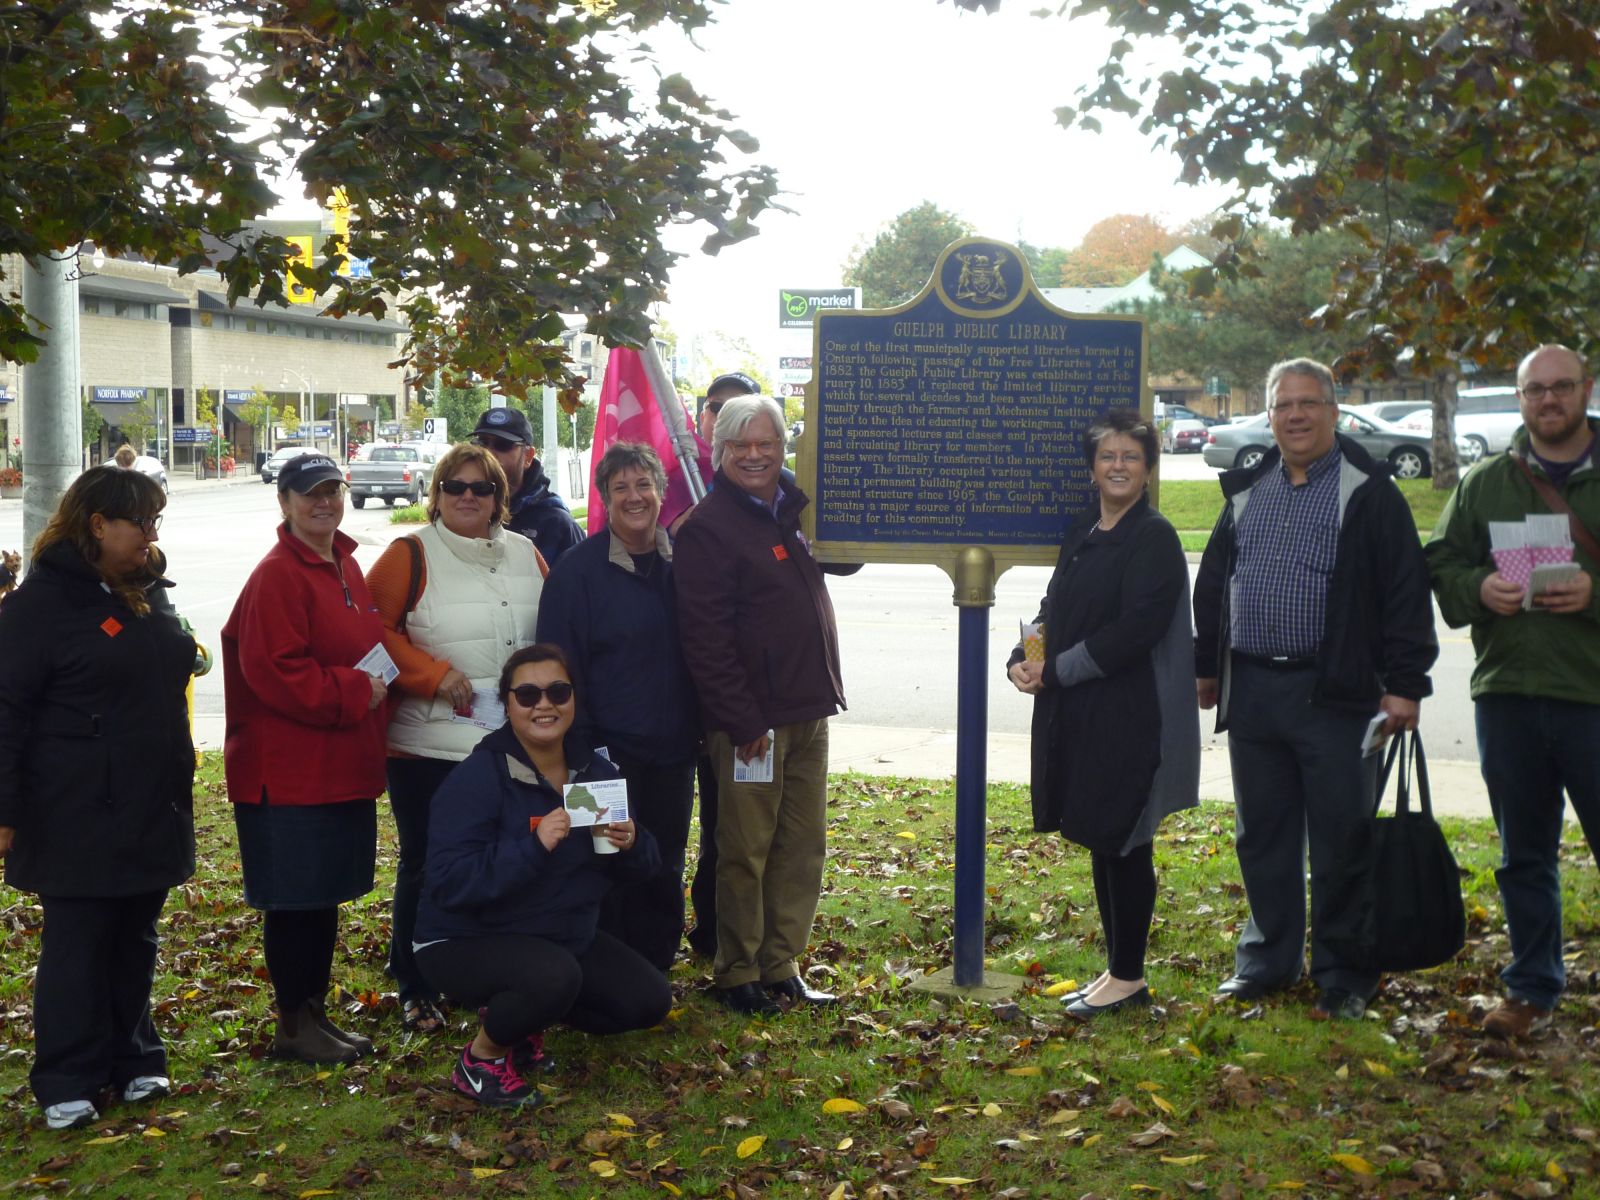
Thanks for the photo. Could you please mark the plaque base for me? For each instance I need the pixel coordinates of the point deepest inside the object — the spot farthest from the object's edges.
(995, 986)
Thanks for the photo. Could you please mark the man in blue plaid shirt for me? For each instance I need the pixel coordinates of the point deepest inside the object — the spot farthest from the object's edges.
(1312, 614)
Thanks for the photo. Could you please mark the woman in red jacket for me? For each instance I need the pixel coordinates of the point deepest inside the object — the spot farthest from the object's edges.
(305, 749)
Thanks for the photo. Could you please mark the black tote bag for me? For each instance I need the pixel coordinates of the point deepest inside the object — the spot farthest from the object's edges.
(1398, 902)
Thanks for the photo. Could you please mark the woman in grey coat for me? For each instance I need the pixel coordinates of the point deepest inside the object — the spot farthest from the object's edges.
(1116, 734)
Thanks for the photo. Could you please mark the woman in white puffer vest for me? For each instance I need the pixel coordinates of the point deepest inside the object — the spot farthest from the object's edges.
(456, 600)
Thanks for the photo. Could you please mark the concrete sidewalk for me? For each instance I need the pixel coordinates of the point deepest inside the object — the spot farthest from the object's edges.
(1458, 789)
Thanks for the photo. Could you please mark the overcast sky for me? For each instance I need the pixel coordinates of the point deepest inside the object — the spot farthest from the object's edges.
(868, 107)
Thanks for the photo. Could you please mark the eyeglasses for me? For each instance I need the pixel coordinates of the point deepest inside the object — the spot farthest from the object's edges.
(1561, 389)
(147, 525)
(529, 694)
(1111, 458)
(456, 487)
(715, 405)
(764, 446)
(499, 445)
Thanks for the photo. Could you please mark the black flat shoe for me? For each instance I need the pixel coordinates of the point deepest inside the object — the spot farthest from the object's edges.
(795, 991)
(749, 999)
(1084, 1011)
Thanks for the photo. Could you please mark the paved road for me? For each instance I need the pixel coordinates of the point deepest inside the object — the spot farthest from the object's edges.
(897, 625)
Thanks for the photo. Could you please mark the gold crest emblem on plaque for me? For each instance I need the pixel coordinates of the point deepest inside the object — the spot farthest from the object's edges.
(980, 281)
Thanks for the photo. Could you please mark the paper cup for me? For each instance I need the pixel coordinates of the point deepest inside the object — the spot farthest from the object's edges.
(602, 844)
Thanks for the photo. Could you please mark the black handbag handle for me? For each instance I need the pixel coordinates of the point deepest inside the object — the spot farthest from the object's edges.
(1408, 748)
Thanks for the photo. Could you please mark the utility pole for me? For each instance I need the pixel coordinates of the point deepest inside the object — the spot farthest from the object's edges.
(52, 416)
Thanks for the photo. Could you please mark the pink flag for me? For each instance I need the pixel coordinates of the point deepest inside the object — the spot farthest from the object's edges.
(630, 412)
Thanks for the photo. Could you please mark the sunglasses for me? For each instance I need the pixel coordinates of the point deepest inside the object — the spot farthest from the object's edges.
(147, 525)
(715, 405)
(457, 487)
(499, 445)
(529, 694)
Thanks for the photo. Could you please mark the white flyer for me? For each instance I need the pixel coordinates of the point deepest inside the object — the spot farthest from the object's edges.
(485, 711)
(598, 802)
(757, 770)
(377, 662)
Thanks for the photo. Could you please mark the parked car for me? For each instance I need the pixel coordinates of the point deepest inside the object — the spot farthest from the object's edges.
(428, 453)
(1184, 435)
(389, 473)
(1486, 418)
(275, 461)
(146, 464)
(1393, 411)
(1179, 412)
(1242, 445)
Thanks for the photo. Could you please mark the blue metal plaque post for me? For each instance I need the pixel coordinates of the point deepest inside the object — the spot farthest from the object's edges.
(974, 595)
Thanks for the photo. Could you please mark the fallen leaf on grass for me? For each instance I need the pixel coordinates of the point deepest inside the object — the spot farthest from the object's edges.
(620, 1119)
(1554, 1171)
(1061, 987)
(1353, 1162)
(838, 1193)
(1376, 1068)
(991, 1109)
(1162, 1103)
(154, 1132)
(1121, 1107)
(1025, 1072)
(841, 1104)
(750, 1145)
(108, 1140)
(1187, 1160)
(951, 1180)
(316, 1192)
(1149, 1137)
(845, 1144)
(486, 1172)
(1289, 1185)
(671, 1188)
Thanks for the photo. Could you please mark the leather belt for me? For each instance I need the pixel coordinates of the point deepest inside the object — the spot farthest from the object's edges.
(1280, 662)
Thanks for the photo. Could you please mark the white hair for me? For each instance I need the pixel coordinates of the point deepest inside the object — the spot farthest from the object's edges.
(735, 418)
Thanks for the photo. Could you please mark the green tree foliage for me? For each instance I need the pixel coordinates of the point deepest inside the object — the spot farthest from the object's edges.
(289, 418)
(1376, 119)
(93, 423)
(1247, 323)
(899, 262)
(1045, 263)
(257, 411)
(1116, 251)
(138, 424)
(499, 169)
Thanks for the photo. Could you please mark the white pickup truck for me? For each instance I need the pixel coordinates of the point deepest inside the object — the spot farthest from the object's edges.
(388, 473)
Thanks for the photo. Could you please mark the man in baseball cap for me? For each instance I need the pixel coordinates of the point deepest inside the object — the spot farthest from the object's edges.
(536, 512)
(723, 388)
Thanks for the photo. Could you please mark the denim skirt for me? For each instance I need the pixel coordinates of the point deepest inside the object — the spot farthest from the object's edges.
(305, 856)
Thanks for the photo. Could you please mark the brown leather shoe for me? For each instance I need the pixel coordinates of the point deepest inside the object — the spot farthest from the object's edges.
(319, 1014)
(1515, 1019)
(298, 1036)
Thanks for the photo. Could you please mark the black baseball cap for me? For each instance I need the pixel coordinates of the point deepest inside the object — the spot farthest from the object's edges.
(509, 423)
(734, 379)
(304, 471)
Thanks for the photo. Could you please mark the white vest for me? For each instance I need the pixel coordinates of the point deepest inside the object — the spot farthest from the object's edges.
(479, 604)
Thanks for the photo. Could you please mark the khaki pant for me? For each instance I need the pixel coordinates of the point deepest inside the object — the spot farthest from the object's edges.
(771, 842)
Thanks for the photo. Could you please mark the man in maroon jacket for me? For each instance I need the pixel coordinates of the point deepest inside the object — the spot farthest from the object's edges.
(764, 653)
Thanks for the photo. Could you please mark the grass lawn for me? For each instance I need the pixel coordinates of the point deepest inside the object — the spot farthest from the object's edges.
(894, 1093)
(1192, 505)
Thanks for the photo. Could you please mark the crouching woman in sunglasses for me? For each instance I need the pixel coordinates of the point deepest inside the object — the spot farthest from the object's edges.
(455, 600)
(511, 898)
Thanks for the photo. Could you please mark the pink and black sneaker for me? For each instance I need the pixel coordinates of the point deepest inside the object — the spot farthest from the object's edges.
(493, 1082)
(528, 1055)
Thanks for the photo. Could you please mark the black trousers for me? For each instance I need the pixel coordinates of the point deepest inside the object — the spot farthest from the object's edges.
(703, 891)
(526, 984)
(298, 944)
(91, 996)
(412, 783)
(647, 914)
(1125, 891)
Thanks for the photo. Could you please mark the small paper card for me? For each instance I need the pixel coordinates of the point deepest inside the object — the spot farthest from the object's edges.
(1032, 641)
(1514, 564)
(1544, 574)
(484, 710)
(757, 770)
(1548, 529)
(377, 662)
(599, 802)
(1375, 738)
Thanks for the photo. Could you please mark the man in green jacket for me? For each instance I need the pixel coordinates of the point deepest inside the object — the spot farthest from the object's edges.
(1537, 679)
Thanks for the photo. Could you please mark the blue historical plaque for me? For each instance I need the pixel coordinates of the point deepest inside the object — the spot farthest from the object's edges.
(958, 418)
